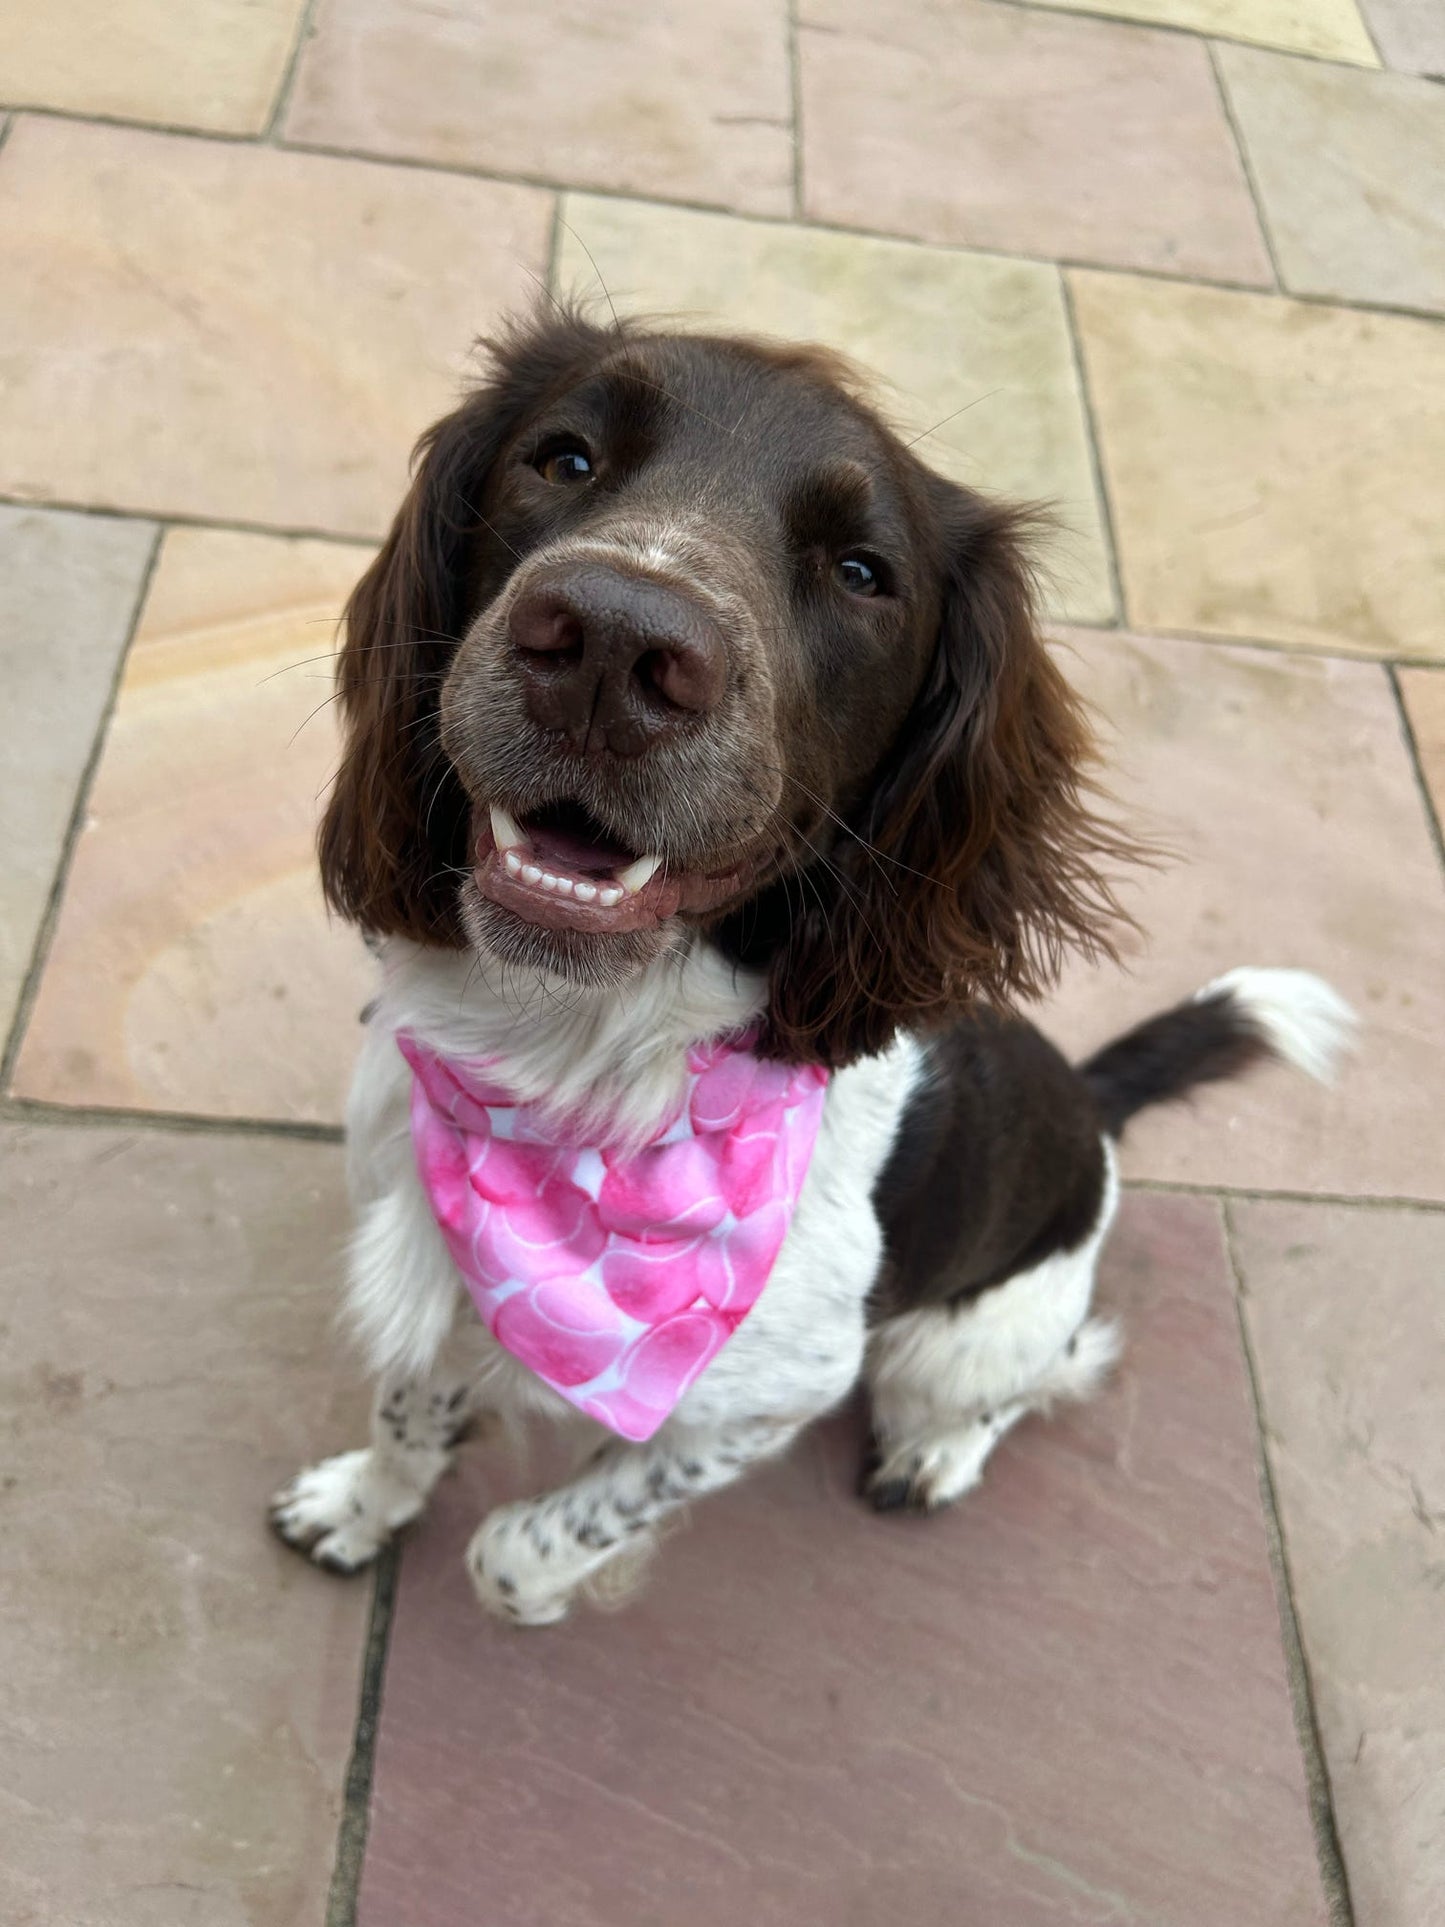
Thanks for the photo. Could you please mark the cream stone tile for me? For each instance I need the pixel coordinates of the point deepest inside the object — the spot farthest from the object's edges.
(1332, 29)
(227, 331)
(1346, 1316)
(1276, 469)
(1410, 34)
(1004, 127)
(68, 590)
(1351, 172)
(1284, 791)
(193, 968)
(177, 1691)
(946, 331)
(688, 101)
(213, 64)
(1424, 694)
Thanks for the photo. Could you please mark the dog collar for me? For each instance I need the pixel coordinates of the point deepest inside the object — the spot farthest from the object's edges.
(616, 1278)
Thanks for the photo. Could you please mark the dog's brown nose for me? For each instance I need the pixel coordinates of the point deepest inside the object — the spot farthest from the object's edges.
(616, 661)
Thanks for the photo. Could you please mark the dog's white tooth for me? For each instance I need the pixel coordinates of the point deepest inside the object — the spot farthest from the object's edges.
(609, 896)
(587, 891)
(563, 886)
(531, 872)
(512, 861)
(549, 882)
(639, 874)
(505, 833)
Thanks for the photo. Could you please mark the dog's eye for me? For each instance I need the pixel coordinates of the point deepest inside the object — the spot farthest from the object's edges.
(565, 463)
(856, 575)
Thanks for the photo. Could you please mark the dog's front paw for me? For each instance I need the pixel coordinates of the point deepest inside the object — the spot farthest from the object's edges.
(343, 1511)
(929, 1475)
(513, 1565)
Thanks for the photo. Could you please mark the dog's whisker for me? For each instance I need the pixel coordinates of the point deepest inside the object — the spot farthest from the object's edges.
(374, 646)
(491, 529)
(335, 696)
(953, 417)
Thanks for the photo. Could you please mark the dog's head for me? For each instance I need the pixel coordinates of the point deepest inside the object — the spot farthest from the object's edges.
(672, 632)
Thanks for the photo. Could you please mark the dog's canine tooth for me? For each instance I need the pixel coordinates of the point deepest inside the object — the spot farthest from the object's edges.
(505, 833)
(639, 874)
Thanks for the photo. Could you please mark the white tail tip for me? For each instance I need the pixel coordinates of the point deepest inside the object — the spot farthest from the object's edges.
(1301, 1017)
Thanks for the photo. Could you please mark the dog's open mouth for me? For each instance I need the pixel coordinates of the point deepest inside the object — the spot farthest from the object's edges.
(560, 869)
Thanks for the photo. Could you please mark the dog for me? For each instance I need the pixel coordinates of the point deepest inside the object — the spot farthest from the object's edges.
(712, 799)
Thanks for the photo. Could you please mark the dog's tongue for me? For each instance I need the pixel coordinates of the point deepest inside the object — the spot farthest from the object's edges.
(574, 853)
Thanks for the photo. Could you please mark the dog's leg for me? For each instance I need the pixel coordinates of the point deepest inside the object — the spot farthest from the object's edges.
(403, 1296)
(947, 1383)
(344, 1510)
(929, 1450)
(528, 1561)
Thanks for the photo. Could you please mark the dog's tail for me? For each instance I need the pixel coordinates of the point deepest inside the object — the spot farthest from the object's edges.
(1242, 1018)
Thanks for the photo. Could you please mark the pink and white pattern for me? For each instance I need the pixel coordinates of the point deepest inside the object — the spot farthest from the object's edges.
(616, 1278)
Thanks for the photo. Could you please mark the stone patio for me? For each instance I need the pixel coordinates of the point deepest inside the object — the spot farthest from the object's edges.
(1180, 1660)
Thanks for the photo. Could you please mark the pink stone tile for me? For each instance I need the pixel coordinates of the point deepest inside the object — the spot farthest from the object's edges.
(1064, 1702)
(1424, 694)
(177, 1693)
(1284, 787)
(1410, 34)
(1346, 1316)
(223, 330)
(1002, 127)
(689, 101)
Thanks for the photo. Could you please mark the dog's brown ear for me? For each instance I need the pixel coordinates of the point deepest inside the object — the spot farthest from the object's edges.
(394, 834)
(975, 861)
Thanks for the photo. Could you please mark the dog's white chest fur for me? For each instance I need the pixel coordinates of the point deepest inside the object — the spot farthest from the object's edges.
(802, 1346)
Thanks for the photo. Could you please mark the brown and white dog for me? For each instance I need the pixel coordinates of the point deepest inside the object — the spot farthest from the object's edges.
(684, 698)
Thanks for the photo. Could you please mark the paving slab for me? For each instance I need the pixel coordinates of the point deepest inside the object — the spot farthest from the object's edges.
(1423, 691)
(1006, 127)
(1350, 168)
(946, 331)
(226, 331)
(691, 101)
(1346, 1314)
(1285, 791)
(1410, 34)
(225, 989)
(177, 1691)
(1329, 29)
(1276, 468)
(1064, 1702)
(214, 64)
(69, 585)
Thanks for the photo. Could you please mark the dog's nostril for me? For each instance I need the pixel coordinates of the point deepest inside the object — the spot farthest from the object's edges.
(552, 634)
(687, 675)
(614, 661)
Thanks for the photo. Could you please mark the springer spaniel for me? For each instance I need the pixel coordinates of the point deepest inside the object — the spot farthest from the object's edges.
(710, 795)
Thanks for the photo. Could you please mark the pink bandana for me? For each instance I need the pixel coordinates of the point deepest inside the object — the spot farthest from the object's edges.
(616, 1278)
